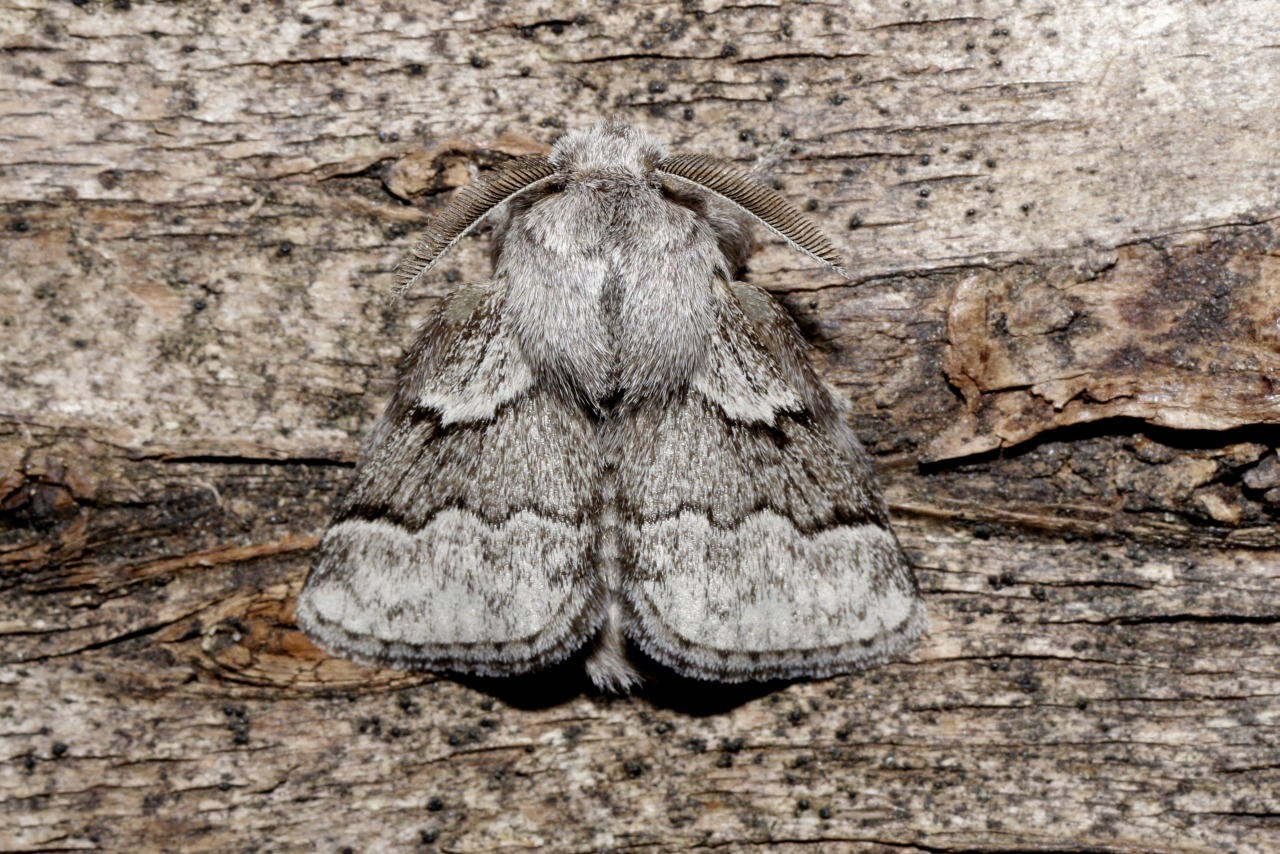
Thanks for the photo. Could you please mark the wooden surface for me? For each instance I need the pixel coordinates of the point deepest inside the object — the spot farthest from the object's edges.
(1062, 344)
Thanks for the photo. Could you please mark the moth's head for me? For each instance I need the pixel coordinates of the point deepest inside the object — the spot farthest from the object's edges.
(607, 155)
(612, 165)
(615, 157)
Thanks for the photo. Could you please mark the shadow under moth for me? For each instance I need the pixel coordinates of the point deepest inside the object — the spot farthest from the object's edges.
(613, 445)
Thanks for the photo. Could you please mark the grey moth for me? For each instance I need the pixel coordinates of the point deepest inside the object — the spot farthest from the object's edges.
(611, 446)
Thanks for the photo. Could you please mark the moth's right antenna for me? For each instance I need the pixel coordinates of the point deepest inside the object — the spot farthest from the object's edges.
(769, 207)
(465, 211)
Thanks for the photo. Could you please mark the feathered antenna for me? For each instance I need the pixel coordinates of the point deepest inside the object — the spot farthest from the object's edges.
(768, 207)
(465, 211)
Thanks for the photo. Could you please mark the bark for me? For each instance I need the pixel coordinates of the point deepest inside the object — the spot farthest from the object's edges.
(1061, 342)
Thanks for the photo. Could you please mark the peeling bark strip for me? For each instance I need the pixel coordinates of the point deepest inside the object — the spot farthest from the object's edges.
(1064, 227)
(1181, 333)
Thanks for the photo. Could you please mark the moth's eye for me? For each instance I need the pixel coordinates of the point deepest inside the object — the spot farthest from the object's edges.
(550, 188)
(524, 201)
(677, 195)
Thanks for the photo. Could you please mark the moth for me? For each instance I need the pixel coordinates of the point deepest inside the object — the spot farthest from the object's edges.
(612, 445)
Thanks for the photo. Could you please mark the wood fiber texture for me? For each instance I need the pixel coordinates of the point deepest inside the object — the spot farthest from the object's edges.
(1061, 344)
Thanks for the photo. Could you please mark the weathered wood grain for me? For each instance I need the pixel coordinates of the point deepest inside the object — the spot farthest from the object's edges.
(1062, 343)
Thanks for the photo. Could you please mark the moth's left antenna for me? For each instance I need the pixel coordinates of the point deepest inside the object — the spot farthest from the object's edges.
(465, 211)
